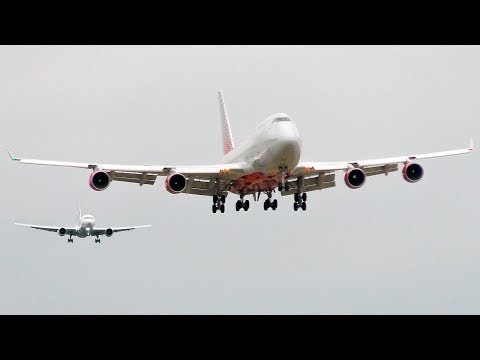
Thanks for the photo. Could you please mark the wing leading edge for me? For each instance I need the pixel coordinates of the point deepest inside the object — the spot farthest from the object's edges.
(101, 231)
(310, 176)
(200, 179)
(69, 231)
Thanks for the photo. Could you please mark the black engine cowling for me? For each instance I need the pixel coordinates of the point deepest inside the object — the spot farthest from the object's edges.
(109, 232)
(175, 183)
(355, 178)
(99, 180)
(62, 231)
(412, 172)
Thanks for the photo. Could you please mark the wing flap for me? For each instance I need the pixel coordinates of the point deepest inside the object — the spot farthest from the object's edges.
(140, 178)
(312, 183)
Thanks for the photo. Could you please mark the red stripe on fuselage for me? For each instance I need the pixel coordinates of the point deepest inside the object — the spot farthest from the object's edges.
(255, 182)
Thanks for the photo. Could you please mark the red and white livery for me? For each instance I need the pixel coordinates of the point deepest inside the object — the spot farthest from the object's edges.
(269, 159)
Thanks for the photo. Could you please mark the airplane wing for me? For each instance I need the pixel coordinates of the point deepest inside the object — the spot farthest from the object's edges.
(321, 175)
(102, 231)
(69, 231)
(200, 180)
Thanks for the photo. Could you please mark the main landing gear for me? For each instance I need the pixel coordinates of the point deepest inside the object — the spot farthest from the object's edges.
(242, 204)
(97, 240)
(300, 201)
(283, 184)
(70, 240)
(269, 203)
(218, 203)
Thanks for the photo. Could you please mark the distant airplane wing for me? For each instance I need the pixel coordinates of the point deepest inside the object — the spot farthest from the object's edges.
(102, 231)
(321, 175)
(200, 180)
(69, 231)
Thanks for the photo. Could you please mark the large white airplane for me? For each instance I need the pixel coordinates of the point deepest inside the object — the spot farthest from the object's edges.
(268, 159)
(85, 227)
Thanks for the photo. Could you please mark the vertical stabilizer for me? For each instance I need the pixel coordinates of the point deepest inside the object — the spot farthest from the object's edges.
(79, 213)
(228, 144)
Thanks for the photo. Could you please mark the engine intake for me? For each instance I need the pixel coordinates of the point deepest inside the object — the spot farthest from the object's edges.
(355, 178)
(99, 180)
(109, 232)
(175, 183)
(62, 231)
(412, 172)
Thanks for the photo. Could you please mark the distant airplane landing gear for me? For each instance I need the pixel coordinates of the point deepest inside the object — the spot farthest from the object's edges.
(242, 204)
(218, 203)
(300, 201)
(269, 203)
(70, 240)
(97, 240)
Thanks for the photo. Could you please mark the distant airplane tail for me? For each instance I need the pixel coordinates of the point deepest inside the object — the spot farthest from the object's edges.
(228, 144)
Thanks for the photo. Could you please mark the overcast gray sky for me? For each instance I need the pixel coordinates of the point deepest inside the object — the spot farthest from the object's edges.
(389, 247)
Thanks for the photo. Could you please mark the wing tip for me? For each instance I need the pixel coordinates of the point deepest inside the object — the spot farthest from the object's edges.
(11, 155)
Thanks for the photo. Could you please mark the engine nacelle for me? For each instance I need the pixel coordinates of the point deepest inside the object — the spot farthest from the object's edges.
(412, 172)
(62, 231)
(175, 183)
(355, 178)
(99, 180)
(109, 232)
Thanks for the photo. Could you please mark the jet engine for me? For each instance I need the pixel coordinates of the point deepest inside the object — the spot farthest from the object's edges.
(109, 232)
(175, 183)
(355, 178)
(412, 172)
(62, 231)
(99, 180)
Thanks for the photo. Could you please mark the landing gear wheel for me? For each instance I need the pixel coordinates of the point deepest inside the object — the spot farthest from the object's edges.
(274, 204)
(304, 197)
(295, 206)
(287, 187)
(222, 208)
(296, 197)
(222, 199)
(266, 205)
(304, 206)
(246, 205)
(214, 208)
(215, 199)
(238, 205)
(280, 187)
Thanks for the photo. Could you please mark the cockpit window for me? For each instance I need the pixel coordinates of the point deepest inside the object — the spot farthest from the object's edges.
(281, 119)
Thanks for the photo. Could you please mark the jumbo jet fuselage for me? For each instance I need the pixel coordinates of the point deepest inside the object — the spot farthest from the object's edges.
(273, 146)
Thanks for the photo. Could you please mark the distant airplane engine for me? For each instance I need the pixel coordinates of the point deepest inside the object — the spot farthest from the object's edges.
(355, 178)
(62, 231)
(412, 172)
(109, 232)
(99, 180)
(176, 183)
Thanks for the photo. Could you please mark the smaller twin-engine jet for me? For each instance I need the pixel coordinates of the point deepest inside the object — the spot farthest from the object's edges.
(86, 227)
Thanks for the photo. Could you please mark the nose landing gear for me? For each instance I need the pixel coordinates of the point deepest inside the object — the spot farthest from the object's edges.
(283, 184)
